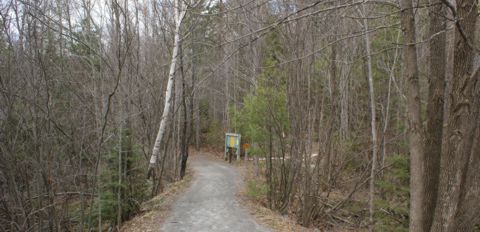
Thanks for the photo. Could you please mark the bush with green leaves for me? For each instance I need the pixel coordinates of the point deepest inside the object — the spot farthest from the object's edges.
(264, 112)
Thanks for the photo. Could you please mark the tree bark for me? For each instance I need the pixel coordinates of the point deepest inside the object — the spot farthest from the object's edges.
(184, 138)
(373, 120)
(179, 15)
(458, 150)
(415, 135)
(435, 105)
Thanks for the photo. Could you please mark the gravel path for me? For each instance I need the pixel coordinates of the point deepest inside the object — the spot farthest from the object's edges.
(210, 204)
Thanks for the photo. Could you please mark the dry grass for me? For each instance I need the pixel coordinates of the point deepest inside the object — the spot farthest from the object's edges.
(262, 214)
(157, 209)
(274, 220)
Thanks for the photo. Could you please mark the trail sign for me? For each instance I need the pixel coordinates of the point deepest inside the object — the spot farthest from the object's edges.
(232, 140)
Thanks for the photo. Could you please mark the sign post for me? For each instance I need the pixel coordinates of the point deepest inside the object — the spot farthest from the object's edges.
(246, 146)
(232, 140)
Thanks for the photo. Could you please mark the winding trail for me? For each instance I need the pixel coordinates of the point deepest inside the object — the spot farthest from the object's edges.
(209, 205)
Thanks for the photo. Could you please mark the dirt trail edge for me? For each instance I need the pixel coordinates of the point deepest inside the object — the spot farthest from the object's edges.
(210, 203)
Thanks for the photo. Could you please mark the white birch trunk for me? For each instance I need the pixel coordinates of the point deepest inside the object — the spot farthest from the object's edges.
(179, 13)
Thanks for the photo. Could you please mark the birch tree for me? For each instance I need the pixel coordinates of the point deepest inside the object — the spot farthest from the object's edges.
(179, 14)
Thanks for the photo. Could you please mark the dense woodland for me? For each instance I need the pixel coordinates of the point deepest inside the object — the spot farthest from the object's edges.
(362, 114)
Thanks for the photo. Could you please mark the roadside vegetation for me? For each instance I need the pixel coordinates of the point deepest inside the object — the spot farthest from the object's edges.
(358, 114)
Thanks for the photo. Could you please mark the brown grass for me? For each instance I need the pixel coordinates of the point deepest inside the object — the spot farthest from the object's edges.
(262, 214)
(157, 209)
(276, 221)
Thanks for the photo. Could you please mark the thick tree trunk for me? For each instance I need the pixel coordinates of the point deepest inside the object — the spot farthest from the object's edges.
(435, 104)
(469, 208)
(415, 134)
(179, 15)
(458, 150)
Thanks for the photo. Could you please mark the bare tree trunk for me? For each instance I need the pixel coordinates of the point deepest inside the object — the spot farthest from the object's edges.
(460, 132)
(184, 138)
(119, 188)
(269, 172)
(197, 122)
(326, 162)
(179, 12)
(194, 109)
(415, 135)
(435, 105)
(373, 114)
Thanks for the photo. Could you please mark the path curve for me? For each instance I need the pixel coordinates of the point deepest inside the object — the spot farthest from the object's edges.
(210, 203)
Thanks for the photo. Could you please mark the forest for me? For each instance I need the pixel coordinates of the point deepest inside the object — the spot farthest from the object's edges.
(361, 114)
